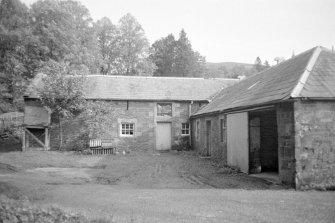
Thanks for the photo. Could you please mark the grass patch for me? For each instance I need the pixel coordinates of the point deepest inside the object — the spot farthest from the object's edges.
(24, 211)
(35, 159)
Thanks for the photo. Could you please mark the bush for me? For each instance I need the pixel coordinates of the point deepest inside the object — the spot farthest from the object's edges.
(181, 143)
(24, 211)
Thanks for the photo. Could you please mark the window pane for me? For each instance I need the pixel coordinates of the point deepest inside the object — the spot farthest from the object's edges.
(185, 128)
(127, 129)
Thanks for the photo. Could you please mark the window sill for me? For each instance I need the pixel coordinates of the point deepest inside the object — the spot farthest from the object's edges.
(127, 136)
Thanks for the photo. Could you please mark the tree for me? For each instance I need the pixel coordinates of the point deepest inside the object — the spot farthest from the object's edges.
(124, 48)
(266, 64)
(109, 45)
(134, 48)
(258, 65)
(163, 55)
(62, 91)
(176, 57)
(19, 53)
(65, 30)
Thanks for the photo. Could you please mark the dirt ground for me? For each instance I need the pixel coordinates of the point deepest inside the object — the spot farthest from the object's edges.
(175, 170)
(155, 187)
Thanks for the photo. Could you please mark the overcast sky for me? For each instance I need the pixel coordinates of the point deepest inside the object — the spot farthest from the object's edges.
(230, 30)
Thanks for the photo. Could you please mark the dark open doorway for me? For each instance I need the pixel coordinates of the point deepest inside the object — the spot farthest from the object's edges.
(208, 138)
(263, 141)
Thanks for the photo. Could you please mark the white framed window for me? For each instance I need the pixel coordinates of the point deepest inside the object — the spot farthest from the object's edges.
(185, 128)
(127, 129)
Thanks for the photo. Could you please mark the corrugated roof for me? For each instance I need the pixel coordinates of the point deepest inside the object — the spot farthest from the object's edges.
(148, 88)
(279, 82)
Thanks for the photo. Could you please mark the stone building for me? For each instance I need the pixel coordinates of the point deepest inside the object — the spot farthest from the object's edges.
(281, 120)
(147, 113)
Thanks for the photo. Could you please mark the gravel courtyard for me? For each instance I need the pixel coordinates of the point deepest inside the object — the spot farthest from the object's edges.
(156, 187)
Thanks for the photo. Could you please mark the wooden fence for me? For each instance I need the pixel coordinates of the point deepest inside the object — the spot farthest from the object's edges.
(102, 146)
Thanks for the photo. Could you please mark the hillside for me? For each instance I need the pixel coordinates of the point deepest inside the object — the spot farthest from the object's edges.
(229, 69)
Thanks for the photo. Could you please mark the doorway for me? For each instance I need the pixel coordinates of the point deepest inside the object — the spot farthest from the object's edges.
(163, 136)
(263, 141)
(208, 138)
(237, 141)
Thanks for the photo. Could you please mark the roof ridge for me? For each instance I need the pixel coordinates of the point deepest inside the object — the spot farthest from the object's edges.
(156, 77)
(303, 78)
(288, 60)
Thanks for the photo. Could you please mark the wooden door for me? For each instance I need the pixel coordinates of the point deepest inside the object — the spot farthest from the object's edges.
(163, 136)
(237, 141)
(208, 138)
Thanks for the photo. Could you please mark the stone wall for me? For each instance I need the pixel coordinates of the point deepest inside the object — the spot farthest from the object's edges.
(286, 142)
(218, 146)
(142, 114)
(315, 144)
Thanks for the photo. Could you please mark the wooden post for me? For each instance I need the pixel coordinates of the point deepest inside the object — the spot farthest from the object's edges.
(46, 139)
(27, 141)
(23, 140)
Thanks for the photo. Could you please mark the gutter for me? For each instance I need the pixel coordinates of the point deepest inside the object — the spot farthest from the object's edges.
(266, 105)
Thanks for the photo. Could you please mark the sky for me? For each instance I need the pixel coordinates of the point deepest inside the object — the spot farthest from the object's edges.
(230, 30)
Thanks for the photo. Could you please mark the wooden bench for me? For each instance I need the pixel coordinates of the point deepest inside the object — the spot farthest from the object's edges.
(102, 146)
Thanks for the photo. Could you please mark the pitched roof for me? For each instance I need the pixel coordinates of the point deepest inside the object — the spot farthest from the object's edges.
(147, 88)
(309, 74)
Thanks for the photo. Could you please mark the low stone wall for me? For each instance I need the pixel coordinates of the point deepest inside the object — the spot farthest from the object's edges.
(315, 144)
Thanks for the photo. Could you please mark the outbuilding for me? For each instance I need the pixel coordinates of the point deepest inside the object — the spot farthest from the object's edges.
(281, 120)
(146, 113)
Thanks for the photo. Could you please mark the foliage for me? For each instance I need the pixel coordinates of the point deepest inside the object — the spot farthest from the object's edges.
(96, 116)
(176, 57)
(258, 66)
(61, 31)
(25, 211)
(134, 48)
(61, 90)
(124, 48)
(181, 143)
(19, 53)
(108, 41)
(65, 30)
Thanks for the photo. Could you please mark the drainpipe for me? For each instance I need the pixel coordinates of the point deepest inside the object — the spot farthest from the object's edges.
(189, 121)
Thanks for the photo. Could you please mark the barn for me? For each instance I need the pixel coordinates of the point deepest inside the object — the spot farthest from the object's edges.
(146, 113)
(280, 121)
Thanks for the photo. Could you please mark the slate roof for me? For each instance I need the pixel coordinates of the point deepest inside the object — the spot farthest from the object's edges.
(310, 74)
(147, 88)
